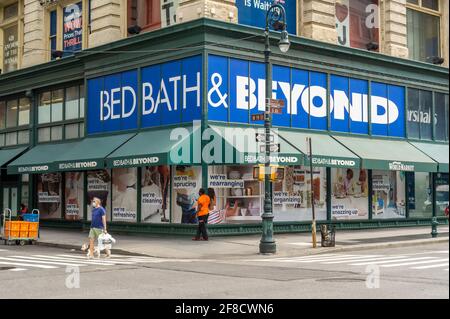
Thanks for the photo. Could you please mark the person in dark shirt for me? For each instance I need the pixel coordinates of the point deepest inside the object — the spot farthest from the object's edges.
(98, 224)
(23, 210)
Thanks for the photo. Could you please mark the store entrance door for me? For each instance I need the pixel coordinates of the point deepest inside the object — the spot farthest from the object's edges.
(10, 198)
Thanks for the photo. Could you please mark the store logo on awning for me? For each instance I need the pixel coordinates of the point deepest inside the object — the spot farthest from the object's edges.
(399, 166)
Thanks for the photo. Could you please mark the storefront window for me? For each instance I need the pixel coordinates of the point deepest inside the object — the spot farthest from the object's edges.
(2, 115)
(419, 195)
(71, 131)
(350, 193)
(49, 195)
(11, 138)
(44, 108)
(23, 137)
(388, 194)
(71, 102)
(24, 111)
(99, 185)
(124, 194)
(57, 105)
(186, 181)
(56, 133)
(292, 195)
(74, 196)
(155, 190)
(442, 198)
(11, 113)
(426, 102)
(441, 116)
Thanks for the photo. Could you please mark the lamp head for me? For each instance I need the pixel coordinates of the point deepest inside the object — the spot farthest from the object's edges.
(284, 43)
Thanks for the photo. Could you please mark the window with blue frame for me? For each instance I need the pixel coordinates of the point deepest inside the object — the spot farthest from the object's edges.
(52, 33)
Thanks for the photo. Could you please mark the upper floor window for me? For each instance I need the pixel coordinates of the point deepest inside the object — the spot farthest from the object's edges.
(10, 37)
(14, 119)
(357, 23)
(423, 29)
(66, 31)
(144, 13)
(61, 113)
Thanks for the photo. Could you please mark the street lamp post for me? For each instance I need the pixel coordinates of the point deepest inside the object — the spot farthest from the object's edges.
(275, 17)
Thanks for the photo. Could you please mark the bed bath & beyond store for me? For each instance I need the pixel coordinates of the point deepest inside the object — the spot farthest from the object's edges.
(157, 128)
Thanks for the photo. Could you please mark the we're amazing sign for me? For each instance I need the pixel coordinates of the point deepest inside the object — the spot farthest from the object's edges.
(73, 27)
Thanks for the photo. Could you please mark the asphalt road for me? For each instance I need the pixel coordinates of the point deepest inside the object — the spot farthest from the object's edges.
(408, 272)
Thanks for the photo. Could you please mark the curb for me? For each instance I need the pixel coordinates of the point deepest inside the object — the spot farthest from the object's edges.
(310, 251)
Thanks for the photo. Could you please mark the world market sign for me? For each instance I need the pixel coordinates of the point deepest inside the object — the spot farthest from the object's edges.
(399, 166)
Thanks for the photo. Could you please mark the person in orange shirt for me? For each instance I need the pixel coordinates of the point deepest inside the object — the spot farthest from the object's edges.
(202, 214)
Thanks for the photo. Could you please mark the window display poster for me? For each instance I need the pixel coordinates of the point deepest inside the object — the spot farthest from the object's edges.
(10, 48)
(99, 185)
(124, 194)
(49, 195)
(349, 198)
(74, 195)
(388, 194)
(186, 182)
(442, 197)
(155, 188)
(292, 196)
(72, 28)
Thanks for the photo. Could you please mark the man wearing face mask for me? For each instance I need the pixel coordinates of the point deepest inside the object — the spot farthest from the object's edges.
(98, 224)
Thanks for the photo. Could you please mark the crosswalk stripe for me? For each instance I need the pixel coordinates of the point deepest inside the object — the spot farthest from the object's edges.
(391, 261)
(27, 265)
(51, 261)
(3, 250)
(324, 260)
(431, 266)
(17, 269)
(38, 261)
(103, 260)
(362, 259)
(416, 262)
(307, 258)
(112, 259)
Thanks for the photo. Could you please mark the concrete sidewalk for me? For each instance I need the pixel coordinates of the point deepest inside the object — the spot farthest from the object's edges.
(247, 245)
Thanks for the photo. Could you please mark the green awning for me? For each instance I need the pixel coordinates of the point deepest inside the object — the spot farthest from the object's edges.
(89, 153)
(326, 151)
(384, 154)
(438, 152)
(7, 155)
(240, 146)
(39, 159)
(158, 147)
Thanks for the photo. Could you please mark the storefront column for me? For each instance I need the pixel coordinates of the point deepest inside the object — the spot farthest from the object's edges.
(139, 195)
(85, 196)
(204, 123)
(407, 181)
(329, 190)
(433, 194)
(370, 198)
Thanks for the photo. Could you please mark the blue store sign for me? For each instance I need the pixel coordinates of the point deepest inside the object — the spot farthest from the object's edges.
(236, 90)
(169, 93)
(253, 12)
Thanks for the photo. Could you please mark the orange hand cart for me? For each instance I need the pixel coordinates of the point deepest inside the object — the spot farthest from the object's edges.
(20, 232)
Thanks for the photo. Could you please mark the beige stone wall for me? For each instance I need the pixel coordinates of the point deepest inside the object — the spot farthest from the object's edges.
(34, 46)
(108, 21)
(394, 28)
(224, 10)
(318, 20)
